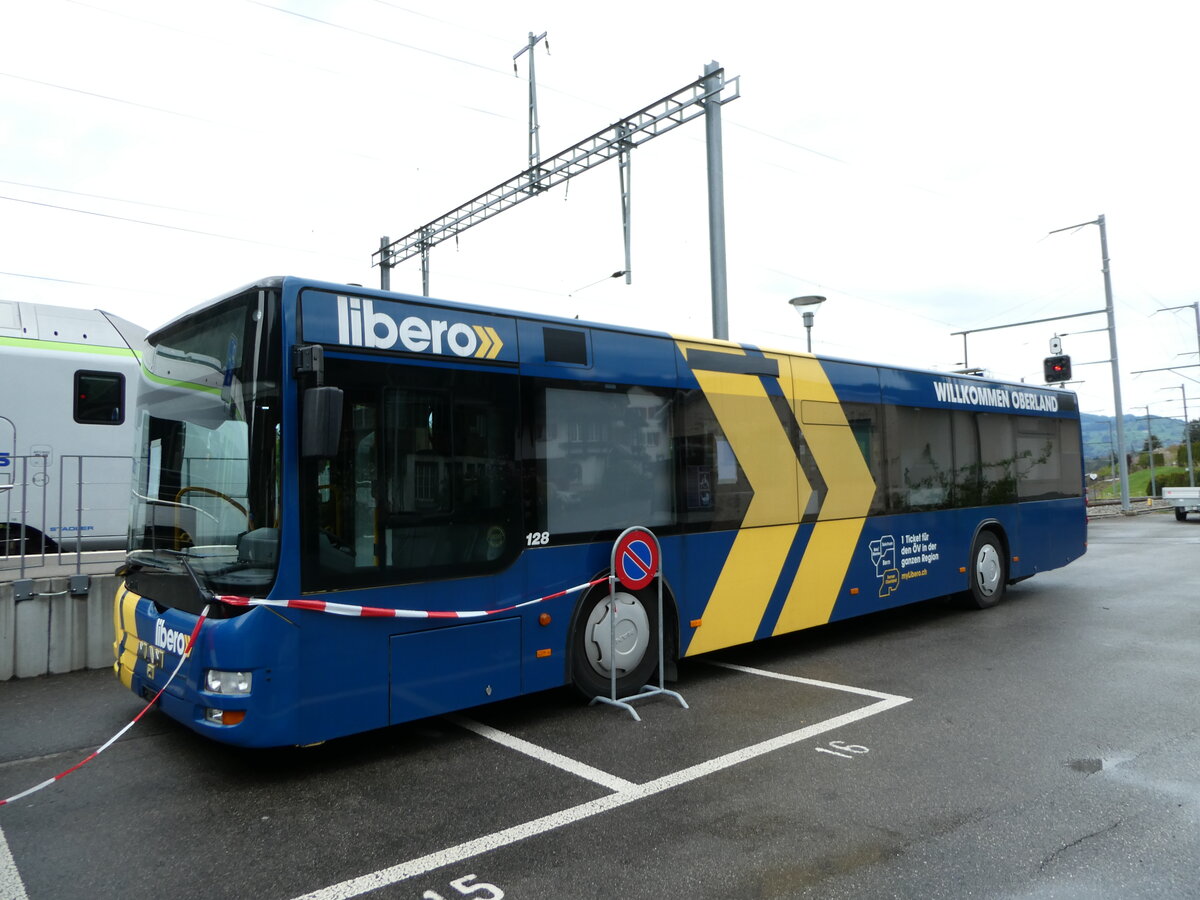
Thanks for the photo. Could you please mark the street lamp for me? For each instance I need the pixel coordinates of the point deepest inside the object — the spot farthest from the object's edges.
(807, 306)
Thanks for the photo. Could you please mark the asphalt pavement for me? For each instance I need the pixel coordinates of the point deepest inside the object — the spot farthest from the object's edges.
(1046, 748)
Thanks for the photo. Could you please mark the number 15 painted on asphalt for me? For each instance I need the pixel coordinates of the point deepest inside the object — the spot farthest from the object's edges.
(481, 891)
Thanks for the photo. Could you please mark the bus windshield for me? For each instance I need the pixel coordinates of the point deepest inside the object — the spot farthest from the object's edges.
(206, 474)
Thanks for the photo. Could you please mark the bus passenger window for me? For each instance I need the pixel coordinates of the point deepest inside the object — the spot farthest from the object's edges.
(863, 419)
(997, 452)
(1048, 464)
(607, 459)
(920, 468)
(715, 491)
(967, 488)
(425, 484)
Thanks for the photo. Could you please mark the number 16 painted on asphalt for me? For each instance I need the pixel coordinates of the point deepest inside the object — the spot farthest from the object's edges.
(844, 750)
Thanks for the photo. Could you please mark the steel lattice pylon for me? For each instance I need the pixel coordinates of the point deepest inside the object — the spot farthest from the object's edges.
(658, 118)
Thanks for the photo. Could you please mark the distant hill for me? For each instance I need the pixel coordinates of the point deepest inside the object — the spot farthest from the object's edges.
(1099, 433)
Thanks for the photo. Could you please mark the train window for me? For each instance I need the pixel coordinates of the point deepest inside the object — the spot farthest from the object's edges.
(99, 398)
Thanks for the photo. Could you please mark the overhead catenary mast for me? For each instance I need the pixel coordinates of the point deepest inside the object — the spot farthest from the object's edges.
(704, 96)
(535, 146)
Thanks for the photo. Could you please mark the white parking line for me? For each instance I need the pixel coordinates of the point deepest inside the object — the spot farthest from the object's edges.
(363, 884)
(542, 754)
(810, 681)
(11, 886)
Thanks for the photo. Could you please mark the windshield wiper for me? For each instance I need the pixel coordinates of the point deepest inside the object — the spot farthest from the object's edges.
(206, 596)
(132, 566)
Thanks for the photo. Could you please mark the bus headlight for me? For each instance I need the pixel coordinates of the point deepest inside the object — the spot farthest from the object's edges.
(218, 681)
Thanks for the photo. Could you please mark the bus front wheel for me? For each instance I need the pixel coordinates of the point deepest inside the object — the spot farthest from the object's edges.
(600, 640)
(988, 572)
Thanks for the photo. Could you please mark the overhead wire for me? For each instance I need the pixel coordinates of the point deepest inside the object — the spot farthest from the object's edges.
(213, 234)
(391, 42)
(44, 187)
(375, 37)
(110, 98)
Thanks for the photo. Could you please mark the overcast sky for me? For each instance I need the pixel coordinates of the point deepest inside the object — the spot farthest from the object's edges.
(906, 160)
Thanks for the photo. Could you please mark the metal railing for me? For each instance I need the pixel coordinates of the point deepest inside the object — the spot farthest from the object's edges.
(74, 520)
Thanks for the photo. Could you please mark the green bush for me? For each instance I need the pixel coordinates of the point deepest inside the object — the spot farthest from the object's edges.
(1174, 479)
(1143, 460)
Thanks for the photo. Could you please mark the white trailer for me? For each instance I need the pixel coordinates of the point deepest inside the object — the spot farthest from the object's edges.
(66, 433)
(1184, 499)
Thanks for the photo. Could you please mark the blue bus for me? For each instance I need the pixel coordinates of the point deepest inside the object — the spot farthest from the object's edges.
(307, 448)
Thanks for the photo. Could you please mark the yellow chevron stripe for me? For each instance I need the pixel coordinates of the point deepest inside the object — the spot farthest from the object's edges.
(759, 442)
(819, 579)
(743, 588)
(764, 451)
(835, 451)
(849, 489)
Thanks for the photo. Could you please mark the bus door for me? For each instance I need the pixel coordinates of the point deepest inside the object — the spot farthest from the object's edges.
(423, 502)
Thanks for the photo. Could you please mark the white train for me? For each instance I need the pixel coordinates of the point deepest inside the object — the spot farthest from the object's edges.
(67, 382)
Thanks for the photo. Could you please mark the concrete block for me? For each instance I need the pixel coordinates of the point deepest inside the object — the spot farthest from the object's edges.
(61, 631)
(32, 638)
(76, 609)
(100, 621)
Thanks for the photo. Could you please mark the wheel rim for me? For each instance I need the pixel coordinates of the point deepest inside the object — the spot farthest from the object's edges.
(987, 570)
(632, 635)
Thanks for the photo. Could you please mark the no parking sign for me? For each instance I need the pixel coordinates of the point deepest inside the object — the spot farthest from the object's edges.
(636, 558)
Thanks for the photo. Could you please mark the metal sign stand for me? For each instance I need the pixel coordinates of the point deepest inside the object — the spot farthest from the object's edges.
(636, 560)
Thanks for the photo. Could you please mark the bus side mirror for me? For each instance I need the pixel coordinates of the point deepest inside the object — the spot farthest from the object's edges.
(322, 422)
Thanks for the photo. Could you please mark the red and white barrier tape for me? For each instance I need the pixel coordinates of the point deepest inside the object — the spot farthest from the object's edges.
(112, 740)
(337, 609)
(379, 612)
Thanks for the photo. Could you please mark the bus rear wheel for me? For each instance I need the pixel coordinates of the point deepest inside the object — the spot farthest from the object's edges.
(592, 643)
(988, 571)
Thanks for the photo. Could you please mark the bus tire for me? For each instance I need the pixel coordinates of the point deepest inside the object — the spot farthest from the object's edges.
(988, 572)
(636, 642)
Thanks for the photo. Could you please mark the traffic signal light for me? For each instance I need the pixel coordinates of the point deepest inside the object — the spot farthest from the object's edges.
(1057, 368)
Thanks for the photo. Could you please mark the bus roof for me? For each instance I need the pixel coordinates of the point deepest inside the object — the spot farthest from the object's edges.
(296, 283)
